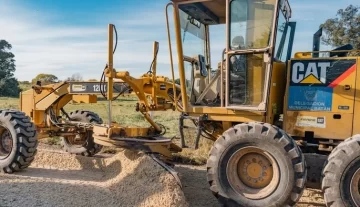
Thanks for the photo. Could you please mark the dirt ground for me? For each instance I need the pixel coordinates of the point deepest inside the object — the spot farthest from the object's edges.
(127, 179)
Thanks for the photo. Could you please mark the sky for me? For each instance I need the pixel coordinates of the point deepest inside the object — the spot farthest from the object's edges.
(70, 36)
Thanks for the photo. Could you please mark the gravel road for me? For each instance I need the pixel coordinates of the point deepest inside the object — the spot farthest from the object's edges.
(126, 179)
(58, 179)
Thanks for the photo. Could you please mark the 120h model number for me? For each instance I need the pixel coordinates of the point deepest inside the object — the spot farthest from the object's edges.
(93, 87)
(97, 88)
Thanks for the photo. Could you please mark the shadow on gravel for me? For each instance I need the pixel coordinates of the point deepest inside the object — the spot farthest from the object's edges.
(198, 194)
(195, 186)
(93, 173)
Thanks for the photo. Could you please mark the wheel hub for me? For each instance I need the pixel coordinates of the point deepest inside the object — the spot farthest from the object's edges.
(255, 170)
(6, 142)
(253, 173)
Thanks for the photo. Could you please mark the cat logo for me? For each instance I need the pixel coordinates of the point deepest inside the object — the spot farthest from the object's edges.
(310, 73)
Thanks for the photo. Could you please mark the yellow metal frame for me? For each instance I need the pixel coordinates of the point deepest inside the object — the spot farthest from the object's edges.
(153, 94)
(274, 88)
(37, 101)
(186, 106)
(148, 85)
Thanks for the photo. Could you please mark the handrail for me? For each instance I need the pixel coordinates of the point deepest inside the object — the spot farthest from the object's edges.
(156, 50)
(325, 51)
(171, 56)
(222, 78)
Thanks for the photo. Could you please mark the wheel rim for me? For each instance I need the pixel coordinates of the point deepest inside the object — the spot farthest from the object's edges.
(355, 187)
(77, 140)
(6, 142)
(253, 173)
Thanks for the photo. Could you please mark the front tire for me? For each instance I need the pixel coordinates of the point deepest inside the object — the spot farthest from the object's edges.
(341, 175)
(256, 165)
(18, 141)
(87, 146)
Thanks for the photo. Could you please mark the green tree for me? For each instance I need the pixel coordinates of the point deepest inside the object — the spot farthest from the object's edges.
(45, 79)
(9, 86)
(344, 29)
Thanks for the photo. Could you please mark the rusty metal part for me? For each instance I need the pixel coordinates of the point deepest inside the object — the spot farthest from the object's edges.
(77, 139)
(355, 187)
(157, 145)
(253, 173)
(141, 139)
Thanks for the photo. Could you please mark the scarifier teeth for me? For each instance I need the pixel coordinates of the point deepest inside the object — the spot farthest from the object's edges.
(168, 168)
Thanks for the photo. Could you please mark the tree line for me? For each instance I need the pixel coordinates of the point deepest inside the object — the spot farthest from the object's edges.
(341, 30)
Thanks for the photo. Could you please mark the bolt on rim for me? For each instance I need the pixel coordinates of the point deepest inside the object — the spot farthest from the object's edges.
(6, 142)
(253, 173)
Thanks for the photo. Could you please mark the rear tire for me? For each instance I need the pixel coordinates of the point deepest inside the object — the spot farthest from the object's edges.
(87, 147)
(341, 175)
(256, 165)
(18, 141)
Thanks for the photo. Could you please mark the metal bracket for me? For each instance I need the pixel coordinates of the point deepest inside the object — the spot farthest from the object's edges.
(199, 128)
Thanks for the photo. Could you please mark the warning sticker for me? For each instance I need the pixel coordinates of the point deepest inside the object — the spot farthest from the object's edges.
(311, 121)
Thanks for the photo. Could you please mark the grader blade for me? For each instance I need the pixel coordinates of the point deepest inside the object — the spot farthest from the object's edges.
(159, 148)
(168, 168)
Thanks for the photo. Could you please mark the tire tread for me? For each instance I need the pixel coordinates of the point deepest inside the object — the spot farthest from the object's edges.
(88, 117)
(265, 131)
(26, 136)
(334, 168)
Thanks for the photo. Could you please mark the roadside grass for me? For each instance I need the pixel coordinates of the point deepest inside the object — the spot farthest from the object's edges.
(123, 112)
(9, 103)
(24, 85)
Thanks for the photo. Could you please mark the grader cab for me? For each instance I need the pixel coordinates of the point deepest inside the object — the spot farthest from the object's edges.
(268, 114)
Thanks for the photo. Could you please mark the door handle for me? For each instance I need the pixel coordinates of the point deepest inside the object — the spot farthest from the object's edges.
(347, 87)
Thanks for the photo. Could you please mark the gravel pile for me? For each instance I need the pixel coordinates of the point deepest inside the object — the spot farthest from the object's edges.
(58, 179)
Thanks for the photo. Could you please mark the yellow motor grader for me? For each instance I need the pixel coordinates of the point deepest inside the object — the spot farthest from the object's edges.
(278, 123)
(39, 117)
(42, 115)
